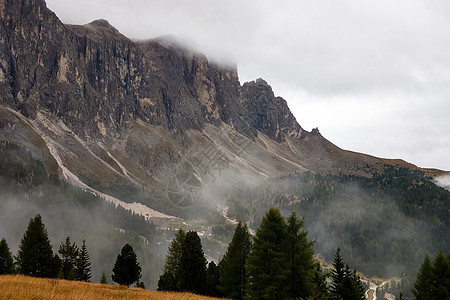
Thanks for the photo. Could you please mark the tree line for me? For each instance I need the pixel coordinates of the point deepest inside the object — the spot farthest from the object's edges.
(36, 258)
(385, 224)
(277, 263)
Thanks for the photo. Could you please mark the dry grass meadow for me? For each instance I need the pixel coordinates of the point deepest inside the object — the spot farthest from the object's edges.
(22, 287)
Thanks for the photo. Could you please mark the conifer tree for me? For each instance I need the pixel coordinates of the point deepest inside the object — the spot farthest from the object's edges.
(193, 264)
(423, 286)
(337, 273)
(6, 259)
(170, 279)
(320, 288)
(83, 264)
(35, 256)
(212, 280)
(345, 284)
(69, 256)
(126, 269)
(300, 256)
(103, 279)
(267, 265)
(433, 278)
(233, 271)
(441, 277)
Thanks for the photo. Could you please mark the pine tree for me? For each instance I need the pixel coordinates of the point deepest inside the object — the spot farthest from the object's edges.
(337, 273)
(6, 259)
(83, 265)
(352, 287)
(69, 256)
(126, 269)
(319, 279)
(193, 264)
(233, 272)
(35, 256)
(103, 279)
(170, 279)
(267, 265)
(212, 280)
(300, 256)
(424, 284)
(441, 277)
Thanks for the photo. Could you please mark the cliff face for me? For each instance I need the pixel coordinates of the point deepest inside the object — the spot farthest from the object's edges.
(267, 113)
(94, 78)
(99, 105)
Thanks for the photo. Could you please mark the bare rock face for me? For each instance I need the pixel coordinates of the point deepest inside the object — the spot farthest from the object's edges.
(95, 79)
(89, 85)
(267, 113)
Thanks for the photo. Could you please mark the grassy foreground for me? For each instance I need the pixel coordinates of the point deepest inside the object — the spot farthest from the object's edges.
(23, 287)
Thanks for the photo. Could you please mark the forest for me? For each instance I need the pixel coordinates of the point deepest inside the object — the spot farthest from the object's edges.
(385, 224)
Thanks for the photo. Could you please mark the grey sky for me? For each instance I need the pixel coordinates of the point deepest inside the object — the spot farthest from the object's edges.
(374, 76)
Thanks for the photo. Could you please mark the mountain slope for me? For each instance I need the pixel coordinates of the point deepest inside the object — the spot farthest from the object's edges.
(162, 131)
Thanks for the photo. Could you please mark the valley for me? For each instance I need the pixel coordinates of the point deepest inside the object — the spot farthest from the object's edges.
(115, 141)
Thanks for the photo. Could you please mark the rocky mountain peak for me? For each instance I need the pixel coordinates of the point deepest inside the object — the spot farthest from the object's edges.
(101, 22)
(267, 113)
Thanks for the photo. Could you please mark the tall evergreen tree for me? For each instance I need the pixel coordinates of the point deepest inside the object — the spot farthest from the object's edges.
(6, 259)
(35, 256)
(193, 264)
(69, 256)
(170, 279)
(337, 273)
(319, 279)
(352, 288)
(126, 269)
(300, 256)
(267, 265)
(345, 283)
(83, 264)
(423, 286)
(233, 272)
(441, 277)
(212, 280)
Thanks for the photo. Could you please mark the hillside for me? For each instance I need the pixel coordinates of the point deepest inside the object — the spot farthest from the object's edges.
(22, 287)
(119, 141)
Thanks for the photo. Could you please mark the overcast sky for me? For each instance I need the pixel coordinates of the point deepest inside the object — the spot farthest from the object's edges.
(374, 76)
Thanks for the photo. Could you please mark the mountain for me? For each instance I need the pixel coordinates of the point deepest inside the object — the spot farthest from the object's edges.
(150, 125)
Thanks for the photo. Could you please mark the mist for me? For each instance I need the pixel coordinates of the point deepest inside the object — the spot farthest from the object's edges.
(63, 217)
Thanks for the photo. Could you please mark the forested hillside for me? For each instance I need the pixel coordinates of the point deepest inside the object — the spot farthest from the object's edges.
(385, 224)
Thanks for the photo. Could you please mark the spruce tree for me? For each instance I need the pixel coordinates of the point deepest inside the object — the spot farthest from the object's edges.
(103, 279)
(319, 279)
(423, 287)
(126, 269)
(441, 277)
(69, 256)
(345, 283)
(300, 256)
(233, 271)
(212, 280)
(6, 259)
(267, 265)
(337, 273)
(83, 264)
(35, 256)
(170, 279)
(193, 264)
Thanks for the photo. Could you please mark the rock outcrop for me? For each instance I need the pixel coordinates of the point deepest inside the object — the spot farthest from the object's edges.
(267, 113)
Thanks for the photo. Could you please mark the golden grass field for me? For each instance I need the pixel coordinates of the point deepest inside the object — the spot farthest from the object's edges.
(23, 287)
